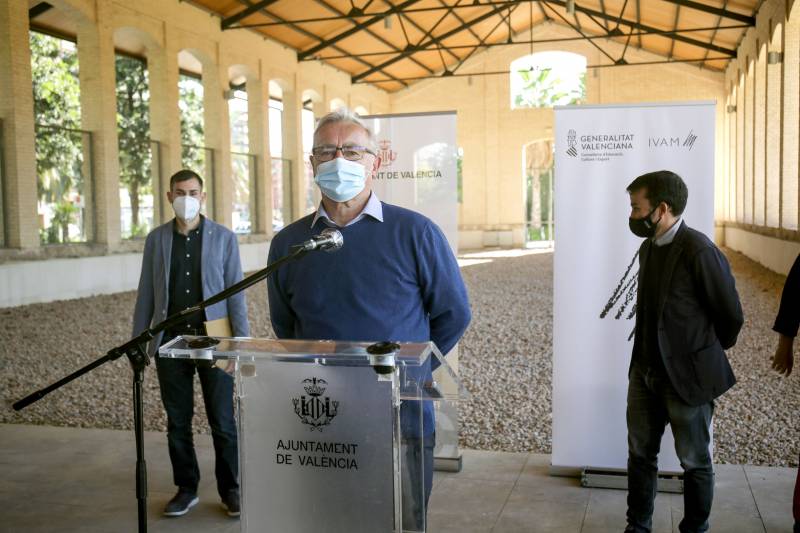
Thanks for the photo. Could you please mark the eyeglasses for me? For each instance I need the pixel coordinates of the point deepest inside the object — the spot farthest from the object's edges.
(351, 152)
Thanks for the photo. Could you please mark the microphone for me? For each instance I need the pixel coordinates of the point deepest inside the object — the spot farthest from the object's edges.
(329, 239)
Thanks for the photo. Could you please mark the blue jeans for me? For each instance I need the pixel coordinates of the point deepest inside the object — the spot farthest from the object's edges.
(652, 404)
(176, 380)
(417, 454)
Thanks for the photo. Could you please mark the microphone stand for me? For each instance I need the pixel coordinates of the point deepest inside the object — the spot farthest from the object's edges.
(137, 356)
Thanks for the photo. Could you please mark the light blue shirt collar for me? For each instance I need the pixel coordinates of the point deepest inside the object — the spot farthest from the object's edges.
(669, 236)
(373, 208)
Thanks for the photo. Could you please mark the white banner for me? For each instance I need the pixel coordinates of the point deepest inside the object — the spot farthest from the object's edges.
(419, 171)
(599, 150)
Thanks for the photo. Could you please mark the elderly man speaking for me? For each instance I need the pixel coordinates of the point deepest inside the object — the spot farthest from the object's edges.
(394, 279)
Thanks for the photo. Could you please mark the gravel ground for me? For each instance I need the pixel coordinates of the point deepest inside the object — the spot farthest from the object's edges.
(756, 422)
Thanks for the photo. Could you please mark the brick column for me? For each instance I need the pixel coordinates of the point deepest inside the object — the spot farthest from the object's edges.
(492, 151)
(217, 130)
(293, 149)
(258, 139)
(320, 110)
(99, 115)
(16, 111)
(165, 121)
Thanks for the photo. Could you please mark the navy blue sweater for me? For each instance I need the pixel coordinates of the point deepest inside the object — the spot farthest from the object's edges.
(394, 280)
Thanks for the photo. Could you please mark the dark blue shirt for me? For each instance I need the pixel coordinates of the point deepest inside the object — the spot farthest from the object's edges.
(185, 283)
(395, 280)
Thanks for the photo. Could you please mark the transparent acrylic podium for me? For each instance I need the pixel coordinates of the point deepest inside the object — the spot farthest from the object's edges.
(331, 437)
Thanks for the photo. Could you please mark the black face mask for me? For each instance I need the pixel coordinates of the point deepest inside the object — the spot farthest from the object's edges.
(644, 227)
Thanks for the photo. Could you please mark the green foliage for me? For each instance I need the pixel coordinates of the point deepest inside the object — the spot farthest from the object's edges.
(190, 103)
(133, 132)
(241, 174)
(237, 109)
(544, 88)
(59, 151)
(240, 166)
(49, 235)
(546, 79)
(64, 214)
(54, 72)
(240, 162)
(139, 231)
(539, 230)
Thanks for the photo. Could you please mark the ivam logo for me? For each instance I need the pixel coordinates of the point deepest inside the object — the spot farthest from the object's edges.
(673, 142)
(690, 139)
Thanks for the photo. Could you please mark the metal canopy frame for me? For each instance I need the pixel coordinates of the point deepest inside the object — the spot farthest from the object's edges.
(644, 27)
(637, 34)
(246, 12)
(307, 33)
(358, 26)
(367, 30)
(722, 12)
(477, 29)
(38, 9)
(437, 39)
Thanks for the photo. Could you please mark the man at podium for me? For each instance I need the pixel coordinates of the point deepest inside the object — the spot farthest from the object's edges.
(394, 279)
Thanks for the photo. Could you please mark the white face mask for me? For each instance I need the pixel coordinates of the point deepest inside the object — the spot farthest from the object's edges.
(186, 207)
(340, 180)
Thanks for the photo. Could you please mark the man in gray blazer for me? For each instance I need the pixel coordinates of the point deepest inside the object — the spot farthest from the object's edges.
(187, 260)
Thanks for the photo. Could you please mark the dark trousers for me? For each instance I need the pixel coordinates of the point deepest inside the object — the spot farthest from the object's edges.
(652, 404)
(417, 480)
(796, 503)
(176, 380)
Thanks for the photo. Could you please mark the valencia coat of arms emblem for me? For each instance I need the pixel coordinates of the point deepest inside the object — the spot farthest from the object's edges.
(314, 409)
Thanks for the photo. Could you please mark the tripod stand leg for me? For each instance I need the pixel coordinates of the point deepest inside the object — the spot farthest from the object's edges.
(138, 423)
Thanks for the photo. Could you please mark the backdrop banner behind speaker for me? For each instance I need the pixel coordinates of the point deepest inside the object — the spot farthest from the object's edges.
(599, 150)
(418, 166)
(419, 172)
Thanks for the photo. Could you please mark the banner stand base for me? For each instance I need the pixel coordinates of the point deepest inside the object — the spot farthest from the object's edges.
(447, 464)
(616, 478)
(565, 471)
(612, 478)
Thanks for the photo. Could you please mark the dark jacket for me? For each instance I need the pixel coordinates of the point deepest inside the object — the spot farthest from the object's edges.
(788, 319)
(699, 315)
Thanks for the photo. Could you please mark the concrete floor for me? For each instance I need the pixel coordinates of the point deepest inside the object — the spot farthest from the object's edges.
(66, 479)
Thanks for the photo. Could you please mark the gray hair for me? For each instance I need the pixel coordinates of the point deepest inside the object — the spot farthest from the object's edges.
(346, 116)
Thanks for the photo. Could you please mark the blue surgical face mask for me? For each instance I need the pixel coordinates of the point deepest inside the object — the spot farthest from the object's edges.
(340, 180)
